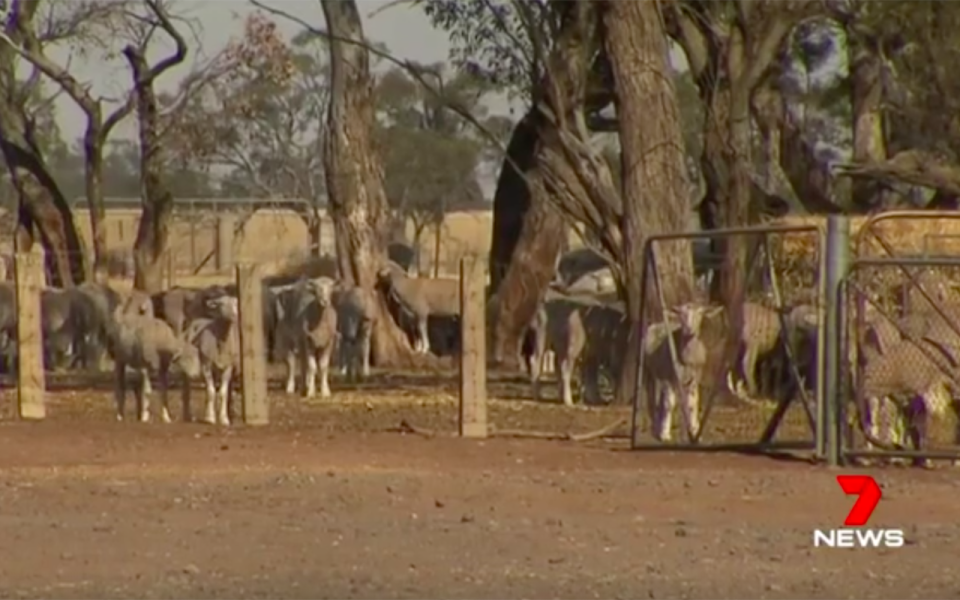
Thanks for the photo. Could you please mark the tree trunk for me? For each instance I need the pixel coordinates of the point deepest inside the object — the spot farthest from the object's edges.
(655, 196)
(354, 173)
(42, 205)
(869, 139)
(157, 201)
(93, 150)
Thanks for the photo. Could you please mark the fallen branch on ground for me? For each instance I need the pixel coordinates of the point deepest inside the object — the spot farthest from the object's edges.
(605, 431)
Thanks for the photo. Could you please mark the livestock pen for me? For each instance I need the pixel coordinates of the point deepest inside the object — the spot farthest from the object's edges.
(334, 497)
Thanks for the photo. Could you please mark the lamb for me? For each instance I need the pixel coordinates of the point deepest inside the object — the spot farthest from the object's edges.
(903, 388)
(666, 381)
(559, 328)
(422, 298)
(356, 314)
(307, 329)
(217, 338)
(150, 347)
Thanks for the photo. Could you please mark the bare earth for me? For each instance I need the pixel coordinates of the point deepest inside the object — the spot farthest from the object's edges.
(326, 504)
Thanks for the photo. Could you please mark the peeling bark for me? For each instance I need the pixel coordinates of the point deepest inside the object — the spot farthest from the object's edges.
(156, 199)
(869, 137)
(354, 173)
(655, 195)
(528, 230)
(43, 211)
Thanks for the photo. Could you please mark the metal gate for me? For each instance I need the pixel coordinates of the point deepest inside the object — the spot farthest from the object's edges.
(784, 279)
(899, 333)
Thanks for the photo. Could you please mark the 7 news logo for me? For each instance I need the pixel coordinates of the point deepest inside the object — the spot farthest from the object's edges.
(869, 494)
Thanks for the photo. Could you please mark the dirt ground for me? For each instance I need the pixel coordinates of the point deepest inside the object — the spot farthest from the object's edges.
(325, 502)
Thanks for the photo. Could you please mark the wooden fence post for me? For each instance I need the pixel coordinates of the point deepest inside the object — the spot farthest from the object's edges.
(226, 224)
(473, 351)
(31, 384)
(253, 364)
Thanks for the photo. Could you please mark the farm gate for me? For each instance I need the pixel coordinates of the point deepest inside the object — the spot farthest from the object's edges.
(901, 299)
(762, 390)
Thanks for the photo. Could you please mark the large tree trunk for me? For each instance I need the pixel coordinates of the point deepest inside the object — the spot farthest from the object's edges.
(527, 239)
(354, 173)
(655, 196)
(157, 201)
(42, 206)
(869, 136)
(93, 151)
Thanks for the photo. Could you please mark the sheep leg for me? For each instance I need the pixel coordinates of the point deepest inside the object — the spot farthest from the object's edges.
(749, 366)
(668, 401)
(365, 354)
(691, 411)
(535, 369)
(164, 407)
(120, 387)
(424, 335)
(565, 372)
(652, 402)
(147, 386)
(209, 416)
(591, 382)
(311, 375)
(323, 365)
(345, 351)
(143, 401)
(291, 361)
(223, 396)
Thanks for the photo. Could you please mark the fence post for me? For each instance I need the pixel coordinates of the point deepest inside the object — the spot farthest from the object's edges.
(253, 366)
(31, 385)
(226, 223)
(473, 349)
(829, 421)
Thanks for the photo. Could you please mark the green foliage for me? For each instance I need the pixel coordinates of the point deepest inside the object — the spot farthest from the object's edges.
(492, 40)
(430, 159)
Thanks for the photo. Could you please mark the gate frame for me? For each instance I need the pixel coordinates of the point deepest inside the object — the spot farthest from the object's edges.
(842, 452)
(765, 444)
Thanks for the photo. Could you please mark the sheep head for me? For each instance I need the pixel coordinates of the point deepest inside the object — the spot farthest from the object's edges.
(322, 289)
(187, 360)
(691, 316)
(226, 307)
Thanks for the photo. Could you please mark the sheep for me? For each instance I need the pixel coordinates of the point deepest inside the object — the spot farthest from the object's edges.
(666, 381)
(903, 388)
(68, 318)
(596, 282)
(606, 343)
(149, 346)
(356, 315)
(307, 329)
(559, 328)
(421, 298)
(217, 338)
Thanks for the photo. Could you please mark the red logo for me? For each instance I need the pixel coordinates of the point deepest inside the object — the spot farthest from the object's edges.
(869, 493)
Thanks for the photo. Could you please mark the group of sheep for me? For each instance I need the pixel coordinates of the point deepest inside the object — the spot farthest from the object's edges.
(903, 369)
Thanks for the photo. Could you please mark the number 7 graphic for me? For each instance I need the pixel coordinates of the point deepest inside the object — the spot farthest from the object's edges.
(869, 493)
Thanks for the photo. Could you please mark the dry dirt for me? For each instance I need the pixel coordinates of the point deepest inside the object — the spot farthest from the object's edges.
(325, 503)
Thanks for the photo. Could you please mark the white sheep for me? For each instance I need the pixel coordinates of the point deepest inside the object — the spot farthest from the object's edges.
(150, 347)
(558, 328)
(307, 330)
(903, 389)
(217, 338)
(668, 382)
(422, 298)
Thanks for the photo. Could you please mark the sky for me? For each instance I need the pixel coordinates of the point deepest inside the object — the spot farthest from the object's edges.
(404, 29)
